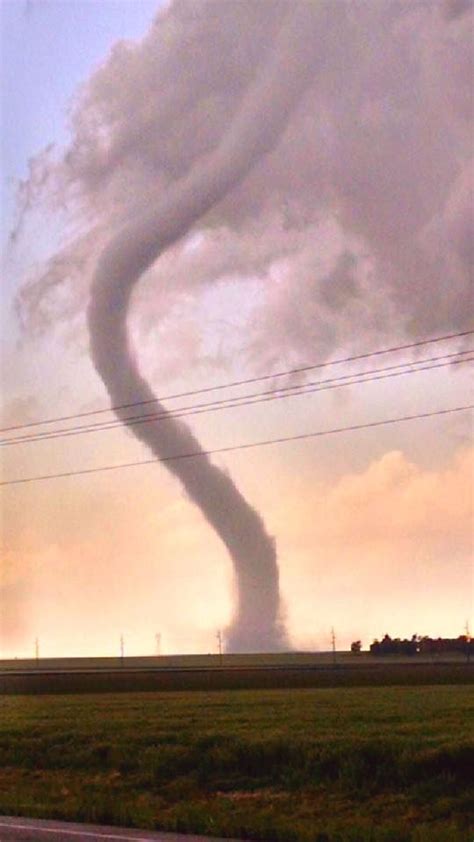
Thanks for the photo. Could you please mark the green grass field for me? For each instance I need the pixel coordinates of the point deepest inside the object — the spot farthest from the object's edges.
(369, 764)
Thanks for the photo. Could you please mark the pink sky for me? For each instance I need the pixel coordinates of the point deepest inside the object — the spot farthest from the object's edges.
(354, 234)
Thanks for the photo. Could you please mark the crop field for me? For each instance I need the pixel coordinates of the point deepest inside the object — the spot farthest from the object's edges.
(356, 764)
(211, 672)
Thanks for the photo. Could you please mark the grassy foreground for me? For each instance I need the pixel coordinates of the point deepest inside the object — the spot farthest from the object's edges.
(358, 764)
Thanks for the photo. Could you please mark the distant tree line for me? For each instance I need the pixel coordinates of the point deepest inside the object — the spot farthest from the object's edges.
(422, 645)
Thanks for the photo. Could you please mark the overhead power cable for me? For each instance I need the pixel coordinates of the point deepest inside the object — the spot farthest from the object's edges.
(245, 382)
(355, 378)
(246, 446)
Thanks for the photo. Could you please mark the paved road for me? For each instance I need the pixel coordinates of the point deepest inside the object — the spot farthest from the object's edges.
(34, 830)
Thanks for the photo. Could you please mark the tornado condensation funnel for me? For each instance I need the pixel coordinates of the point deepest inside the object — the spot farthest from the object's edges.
(255, 129)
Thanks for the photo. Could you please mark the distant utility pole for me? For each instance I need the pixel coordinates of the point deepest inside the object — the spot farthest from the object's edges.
(219, 643)
(122, 648)
(37, 649)
(333, 645)
(158, 643)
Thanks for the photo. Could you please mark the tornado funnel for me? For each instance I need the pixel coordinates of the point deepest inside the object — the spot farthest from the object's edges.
(256, 128)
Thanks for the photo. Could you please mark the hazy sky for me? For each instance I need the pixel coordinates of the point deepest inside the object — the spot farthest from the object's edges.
(354, 234)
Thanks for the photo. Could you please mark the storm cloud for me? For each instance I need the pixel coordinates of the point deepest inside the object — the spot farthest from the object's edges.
(357, 212)
(371, 162)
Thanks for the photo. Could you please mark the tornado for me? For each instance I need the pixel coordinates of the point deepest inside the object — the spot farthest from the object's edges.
(288, 67)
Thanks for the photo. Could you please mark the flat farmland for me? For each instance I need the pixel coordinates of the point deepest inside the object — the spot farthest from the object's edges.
(211, 672)
(362, 764)
(203, 661)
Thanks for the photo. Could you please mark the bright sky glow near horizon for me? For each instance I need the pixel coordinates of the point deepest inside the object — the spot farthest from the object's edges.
(354, 234)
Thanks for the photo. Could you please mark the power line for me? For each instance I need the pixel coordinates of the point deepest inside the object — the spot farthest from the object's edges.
(247, 381)
(245, 446)
(352, 379)
(242, 400)
(356, 378)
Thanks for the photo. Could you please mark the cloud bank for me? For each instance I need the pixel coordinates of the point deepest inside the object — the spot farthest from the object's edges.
(392, 550)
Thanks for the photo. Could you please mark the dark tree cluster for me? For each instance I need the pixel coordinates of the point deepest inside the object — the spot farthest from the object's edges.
(422, 645)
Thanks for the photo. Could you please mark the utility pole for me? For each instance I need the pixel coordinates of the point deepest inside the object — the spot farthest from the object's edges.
(37, 649)
(333, 645)
(219, 643)
(122, 648)
(158, 643)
